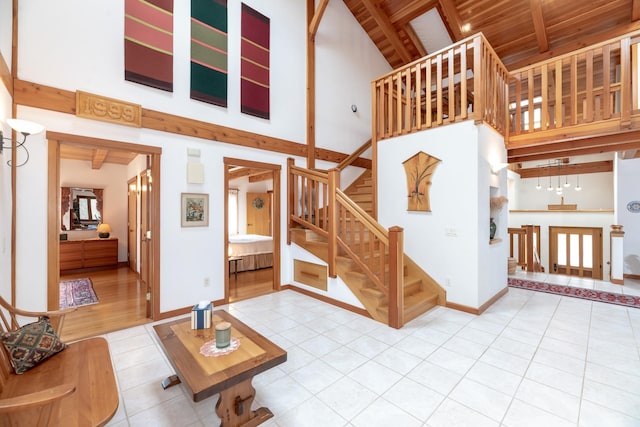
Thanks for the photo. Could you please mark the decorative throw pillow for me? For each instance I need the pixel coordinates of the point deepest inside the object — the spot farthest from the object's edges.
(31, 344)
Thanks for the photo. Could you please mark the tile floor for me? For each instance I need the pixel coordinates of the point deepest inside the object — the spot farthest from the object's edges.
(532, 359)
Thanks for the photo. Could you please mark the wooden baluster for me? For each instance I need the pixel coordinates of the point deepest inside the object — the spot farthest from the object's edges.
(332, 208)
(588, 113)
(478, 76)
(529, 248)
(625, 80)
(396, 267)
(530, 106)
(439, 105)
(606, 82)
(418, 97)
(452, 91)
(428, 109)
(463, 81)
(574, 90)
(558, 112)
(293, 190)
(545, 97)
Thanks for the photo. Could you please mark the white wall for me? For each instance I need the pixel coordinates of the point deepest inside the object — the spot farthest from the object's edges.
(6, 30)
(70, 48)
(628, 177)
(451, 242)
(244, 186)
(342, 47)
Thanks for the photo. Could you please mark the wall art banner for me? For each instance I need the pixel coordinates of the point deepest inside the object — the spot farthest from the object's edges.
(209, 51)
(254, 65)
(148, 43)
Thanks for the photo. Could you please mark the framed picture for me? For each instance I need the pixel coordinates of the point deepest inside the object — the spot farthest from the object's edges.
(194, 211)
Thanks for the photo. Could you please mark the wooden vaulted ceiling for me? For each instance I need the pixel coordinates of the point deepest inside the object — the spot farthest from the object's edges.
(522, 32)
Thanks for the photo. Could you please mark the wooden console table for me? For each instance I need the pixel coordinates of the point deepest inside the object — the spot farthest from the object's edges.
(230, 374)
(88, 254)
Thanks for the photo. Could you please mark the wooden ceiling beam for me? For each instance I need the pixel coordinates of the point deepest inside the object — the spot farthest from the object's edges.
(391, 34)
(574, 169)
(241, 172)
(539, 25)
(98, 157)
(600, 149)
(415, 40)
(452, 18)
(411, 11)
(575, 45)
(317, 17)
(635, 10)
(264, 176)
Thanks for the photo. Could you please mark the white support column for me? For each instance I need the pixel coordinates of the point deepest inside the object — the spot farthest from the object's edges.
(617, 255)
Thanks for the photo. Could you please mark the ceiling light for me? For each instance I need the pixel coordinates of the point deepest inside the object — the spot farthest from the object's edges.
(466, 27)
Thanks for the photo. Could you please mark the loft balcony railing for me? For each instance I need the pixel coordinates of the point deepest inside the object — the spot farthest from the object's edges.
(590, 90)
(465, 81)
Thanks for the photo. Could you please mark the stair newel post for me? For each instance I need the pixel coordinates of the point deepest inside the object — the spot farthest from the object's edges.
(396, 270)
(332, 207)
(291, 192)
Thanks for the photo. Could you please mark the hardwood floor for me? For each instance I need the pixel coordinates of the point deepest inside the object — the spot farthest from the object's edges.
(121, 304)
(250, 284)
(122, 301)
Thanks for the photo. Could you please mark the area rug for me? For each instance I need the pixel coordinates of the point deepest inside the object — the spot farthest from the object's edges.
(77, 292)
(569, 291)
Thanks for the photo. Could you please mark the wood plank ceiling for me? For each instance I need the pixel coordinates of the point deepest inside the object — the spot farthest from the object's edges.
(522, 32)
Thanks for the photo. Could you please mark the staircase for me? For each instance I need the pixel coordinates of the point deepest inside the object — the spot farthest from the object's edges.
(420, 291)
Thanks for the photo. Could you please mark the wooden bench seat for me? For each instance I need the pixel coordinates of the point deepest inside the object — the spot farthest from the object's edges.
(75, 387)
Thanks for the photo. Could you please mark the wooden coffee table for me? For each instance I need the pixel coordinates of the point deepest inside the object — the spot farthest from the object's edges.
(230, 374)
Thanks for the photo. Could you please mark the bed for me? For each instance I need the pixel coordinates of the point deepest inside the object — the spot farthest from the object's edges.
(252, 252)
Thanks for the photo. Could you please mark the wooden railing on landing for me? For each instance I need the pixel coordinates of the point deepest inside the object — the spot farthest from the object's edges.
(317, 203)
(524, 246)
(464, 81)
(592, 86)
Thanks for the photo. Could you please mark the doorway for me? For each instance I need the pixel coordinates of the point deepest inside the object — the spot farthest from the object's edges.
(61, 143)
(252, 232)
(576, 251)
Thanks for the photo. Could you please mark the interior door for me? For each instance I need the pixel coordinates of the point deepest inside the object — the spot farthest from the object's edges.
(576, 251)
(132, 223)
(259, 213)
(145, 236)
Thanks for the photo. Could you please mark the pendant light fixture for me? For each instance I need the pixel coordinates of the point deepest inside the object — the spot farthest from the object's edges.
(578, 188)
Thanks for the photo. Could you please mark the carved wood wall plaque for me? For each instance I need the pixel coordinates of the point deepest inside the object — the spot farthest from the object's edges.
(97, 107)
(419, 169)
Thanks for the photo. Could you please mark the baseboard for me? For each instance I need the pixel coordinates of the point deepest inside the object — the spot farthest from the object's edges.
(185, 310)
(482, 308)
(328, 300)
(631, 276)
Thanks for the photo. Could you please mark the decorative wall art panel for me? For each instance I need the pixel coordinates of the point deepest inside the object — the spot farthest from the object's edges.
(254, 66)
(419, 169)
(209, 51)
(148, 43)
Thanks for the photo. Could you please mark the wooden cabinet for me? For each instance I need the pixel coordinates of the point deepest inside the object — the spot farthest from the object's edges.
(88, 253)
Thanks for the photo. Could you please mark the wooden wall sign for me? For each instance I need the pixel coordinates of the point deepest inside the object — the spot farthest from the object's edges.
(96, 107)
(419, 169)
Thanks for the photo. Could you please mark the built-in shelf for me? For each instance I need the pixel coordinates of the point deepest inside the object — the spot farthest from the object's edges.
(494, 241)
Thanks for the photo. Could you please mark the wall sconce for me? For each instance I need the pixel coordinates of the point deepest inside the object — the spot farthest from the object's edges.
(24, 127)
(497, 167)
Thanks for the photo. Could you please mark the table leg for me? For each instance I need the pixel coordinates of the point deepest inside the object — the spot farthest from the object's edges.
(234, 407)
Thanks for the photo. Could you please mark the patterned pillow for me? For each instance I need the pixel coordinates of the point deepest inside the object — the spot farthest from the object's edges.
(31, 344)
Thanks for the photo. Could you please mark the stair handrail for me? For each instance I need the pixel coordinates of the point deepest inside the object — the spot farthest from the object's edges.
(392, 241)
(347, 161)
(326, 220)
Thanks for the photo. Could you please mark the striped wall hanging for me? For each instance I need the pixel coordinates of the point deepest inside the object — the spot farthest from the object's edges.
(209, 51)
(148, 43)
(254, 66)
